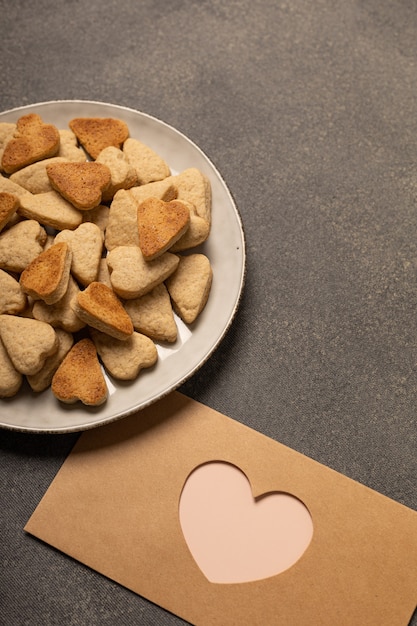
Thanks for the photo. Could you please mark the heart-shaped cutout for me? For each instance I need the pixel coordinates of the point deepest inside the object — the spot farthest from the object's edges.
(81, 184)
(160, 225)
(235, 538)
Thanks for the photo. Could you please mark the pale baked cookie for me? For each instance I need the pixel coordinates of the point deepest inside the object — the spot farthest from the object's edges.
(79, 376)
(190, 285)
(60, 314)
(50, 209)
(152, 315)
(12, 298)
(8, 186)
(82, 184)
(7, 130)
(122, 225)
(97, 133)
(149, 165)
(160, 225)
(99, 307)
(20, 244)
(162, 189)
(86, 244)
(68, 147)
(123, 175)
(196, 234)
(46, 277)
(33, 177)
(99, 215)
(125, 359)
(131, 276)
(9, 203)
(50, 240)
(103, 273)
(42, 379)
(32, 141)
(10, 379)
(193, 186)
(28, 342)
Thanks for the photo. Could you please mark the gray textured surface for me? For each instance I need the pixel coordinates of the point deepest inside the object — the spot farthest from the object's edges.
(309, 110)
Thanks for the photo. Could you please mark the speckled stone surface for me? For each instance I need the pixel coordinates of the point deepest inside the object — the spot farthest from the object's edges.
(309, 111)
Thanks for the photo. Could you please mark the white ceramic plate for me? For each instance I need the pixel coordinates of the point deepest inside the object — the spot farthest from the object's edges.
(177, 362)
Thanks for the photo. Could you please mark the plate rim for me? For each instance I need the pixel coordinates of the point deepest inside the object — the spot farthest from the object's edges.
(78, 428)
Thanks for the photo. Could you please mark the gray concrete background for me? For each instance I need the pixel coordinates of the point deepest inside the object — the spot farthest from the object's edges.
(309, 111)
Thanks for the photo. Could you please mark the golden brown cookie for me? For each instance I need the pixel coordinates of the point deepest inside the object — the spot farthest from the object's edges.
(160, 225)
(97, 133)
(9, 204)
(32, 141)
(81, 184)
(46, 277)
(79, 376)
(99, 307)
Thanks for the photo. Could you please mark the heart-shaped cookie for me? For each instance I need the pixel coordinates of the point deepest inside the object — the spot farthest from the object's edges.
(20, 244)
(82, 184)
(132, 277)
(189, 286)
(235, 538)
(153, 316)
(10, 379)
(79, 377)
(160, 225)
(86, 243)
(99, 307)
(28, 342)
(124, 359)
(33, 140)
(46, 277)
(97, 133)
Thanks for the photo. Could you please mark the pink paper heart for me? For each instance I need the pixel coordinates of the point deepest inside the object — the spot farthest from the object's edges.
(235, 538)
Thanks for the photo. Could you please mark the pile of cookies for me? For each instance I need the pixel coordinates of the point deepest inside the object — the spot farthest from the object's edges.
(96, 255)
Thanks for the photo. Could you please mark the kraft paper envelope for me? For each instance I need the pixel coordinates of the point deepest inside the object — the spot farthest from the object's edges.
(115, 506)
